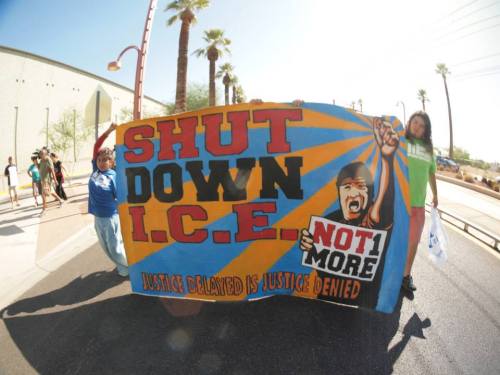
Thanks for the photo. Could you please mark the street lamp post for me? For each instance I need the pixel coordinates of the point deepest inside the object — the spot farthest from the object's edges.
(141, 60)
(47, 127)
(15, 134)
(404, 110)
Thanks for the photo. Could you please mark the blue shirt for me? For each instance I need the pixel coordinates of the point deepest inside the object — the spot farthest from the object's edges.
(102, 192)
(35, 174)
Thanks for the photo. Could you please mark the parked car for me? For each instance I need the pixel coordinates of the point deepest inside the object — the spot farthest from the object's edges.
(447, 164)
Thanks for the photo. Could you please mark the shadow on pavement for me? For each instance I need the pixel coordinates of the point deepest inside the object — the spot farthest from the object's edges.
(134, 334)
(79, 290)
(10, 230)
(20, 218)
(79, 200)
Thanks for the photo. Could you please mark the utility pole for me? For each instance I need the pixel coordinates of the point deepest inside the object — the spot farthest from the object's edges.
(97, 107)
(47, 128)
(15, 134)
(74, 135)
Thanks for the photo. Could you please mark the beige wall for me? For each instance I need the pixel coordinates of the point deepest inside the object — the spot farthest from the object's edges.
(32, 84)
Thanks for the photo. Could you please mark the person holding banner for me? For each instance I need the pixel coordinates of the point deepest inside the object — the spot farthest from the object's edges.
(360, 207)
(103, 203)
(422, 169)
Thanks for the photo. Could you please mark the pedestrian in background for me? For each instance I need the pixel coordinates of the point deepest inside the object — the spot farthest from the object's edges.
(48, 179)
(12, 180)
(58, 170)
(104, 205)
(36, 184)
(421, 169)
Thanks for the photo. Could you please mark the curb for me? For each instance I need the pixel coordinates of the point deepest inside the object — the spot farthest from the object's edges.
(467, 185)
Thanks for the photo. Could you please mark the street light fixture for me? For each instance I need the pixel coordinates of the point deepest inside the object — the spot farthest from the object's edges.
(404, 110)
(141, 60)
(113, 66)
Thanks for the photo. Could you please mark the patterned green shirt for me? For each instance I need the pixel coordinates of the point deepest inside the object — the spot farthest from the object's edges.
(420, 164)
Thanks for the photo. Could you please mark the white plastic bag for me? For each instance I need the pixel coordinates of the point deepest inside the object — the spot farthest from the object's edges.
(438, 240)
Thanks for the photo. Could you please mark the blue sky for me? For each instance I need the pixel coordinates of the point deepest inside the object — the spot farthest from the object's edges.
(381, 52)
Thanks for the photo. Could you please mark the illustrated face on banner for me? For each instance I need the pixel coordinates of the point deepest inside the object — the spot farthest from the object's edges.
(353, 197)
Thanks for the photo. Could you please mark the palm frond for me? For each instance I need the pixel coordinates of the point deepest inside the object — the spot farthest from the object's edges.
(215, 39)
(200, 52)
(442, 69)
(200, 4)
(172, 20)
(174, 5)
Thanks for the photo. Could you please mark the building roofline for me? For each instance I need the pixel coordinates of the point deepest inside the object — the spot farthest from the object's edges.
(33, 56)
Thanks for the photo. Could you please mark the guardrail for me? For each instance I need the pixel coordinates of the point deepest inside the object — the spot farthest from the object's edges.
(475, 231)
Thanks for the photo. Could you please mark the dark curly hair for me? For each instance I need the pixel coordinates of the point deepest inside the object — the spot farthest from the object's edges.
(427, 138)
(106, 153)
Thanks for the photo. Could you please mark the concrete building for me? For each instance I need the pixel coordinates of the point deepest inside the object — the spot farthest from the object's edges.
(41, 99)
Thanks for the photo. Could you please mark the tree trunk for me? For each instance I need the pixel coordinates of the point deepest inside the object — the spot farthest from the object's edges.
(211, 84)
(226, 81)
(234, 95)
(423, 105)
(226, 94)
(450, 154)
(212, 55)
(182, 62)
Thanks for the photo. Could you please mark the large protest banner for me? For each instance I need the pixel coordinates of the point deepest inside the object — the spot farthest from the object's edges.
(214, 204)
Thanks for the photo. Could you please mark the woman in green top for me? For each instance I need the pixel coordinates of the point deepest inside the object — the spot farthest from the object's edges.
(421, 168)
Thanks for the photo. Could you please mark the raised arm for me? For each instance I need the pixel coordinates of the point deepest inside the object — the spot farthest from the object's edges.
(388, 141)
(101, 139)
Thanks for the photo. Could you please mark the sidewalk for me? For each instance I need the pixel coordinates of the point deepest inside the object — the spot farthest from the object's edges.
(477, 208)
(25, 190)
(33, 247)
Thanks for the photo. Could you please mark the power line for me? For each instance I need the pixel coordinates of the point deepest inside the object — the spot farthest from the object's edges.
(468, 25)
(455, 11)
(492, 73)
(471, 33)
(483, 70)
(475, 11)
(462, 7)
(477, 59)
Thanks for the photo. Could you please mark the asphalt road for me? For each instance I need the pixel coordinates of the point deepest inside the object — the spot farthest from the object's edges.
(82, 319)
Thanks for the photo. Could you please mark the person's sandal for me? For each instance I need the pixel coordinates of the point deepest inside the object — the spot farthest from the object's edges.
(408, 284)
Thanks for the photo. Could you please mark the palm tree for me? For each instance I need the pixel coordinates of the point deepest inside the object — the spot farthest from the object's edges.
(185, 12)
(234, 84)
(240, 95)
(225, 72)
(217, 44)
(360, 103)
(353, 105)
(422, 96)
(443, 70)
